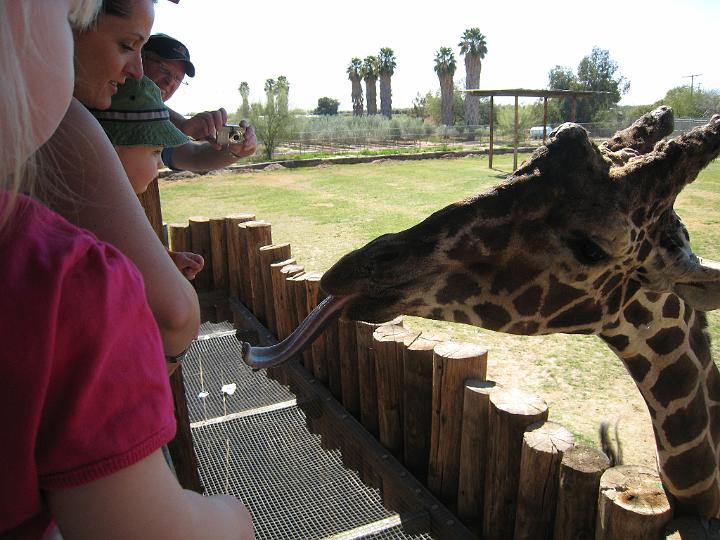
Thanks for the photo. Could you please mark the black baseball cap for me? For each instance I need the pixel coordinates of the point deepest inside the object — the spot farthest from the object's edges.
(171, 49)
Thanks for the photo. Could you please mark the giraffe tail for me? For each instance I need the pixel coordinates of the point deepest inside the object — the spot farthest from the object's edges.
(614, 453)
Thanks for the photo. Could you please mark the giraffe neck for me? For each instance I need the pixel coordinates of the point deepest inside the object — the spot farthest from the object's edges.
(665, 346)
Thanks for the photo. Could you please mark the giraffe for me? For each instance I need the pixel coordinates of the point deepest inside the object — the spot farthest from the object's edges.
(580, 239)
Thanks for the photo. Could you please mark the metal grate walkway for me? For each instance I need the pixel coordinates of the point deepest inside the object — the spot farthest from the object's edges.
(259, 442)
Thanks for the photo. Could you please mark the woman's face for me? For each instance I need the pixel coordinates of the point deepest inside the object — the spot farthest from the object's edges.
(47, 64)
(141, 164)
(109, 53)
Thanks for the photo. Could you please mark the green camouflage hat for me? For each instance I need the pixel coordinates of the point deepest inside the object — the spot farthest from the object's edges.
(137, 116)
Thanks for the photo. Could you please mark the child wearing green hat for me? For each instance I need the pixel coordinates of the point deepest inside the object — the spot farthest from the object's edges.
(139, 127)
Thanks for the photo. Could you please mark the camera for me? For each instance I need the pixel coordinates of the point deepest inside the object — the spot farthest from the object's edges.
(231, 134)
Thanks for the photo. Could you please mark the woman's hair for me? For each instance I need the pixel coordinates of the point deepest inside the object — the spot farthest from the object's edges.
(118, 8)
(17, 171)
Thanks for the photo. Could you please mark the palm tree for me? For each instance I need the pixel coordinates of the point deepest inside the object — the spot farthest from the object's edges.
(282, 89)
(244, 90)
(445, 68)
(369, 73)
(353, 72)
(474, 48)
(386, 68)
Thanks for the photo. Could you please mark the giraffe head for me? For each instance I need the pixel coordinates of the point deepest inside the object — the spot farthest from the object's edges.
(560, 246)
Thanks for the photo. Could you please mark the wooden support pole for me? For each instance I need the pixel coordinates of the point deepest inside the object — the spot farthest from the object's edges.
(349, 382)
(244, 257)
(268, 256)
(258, 234)
(474, 451)
(366, 374)
(632, 504)
(278, 274)
(580, 471)
(235, 255)
(492, 131)
(179, 237)
(181, 447)
(388, 345)
(573, 108)
(453, 364)
(218, 250)
(516, 130)
(511, 412)
(417, 400)
(298, 305)
(545, 116)
(332, 356)
(544, 444)
(200, 244)
(318, 354)
(150, 201)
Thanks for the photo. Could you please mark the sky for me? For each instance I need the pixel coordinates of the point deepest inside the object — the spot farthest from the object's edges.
(655, 43)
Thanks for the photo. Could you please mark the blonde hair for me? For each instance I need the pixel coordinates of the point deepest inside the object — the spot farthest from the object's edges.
(17, 157)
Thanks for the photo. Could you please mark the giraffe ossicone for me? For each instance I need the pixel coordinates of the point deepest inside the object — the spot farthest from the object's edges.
(580, 239)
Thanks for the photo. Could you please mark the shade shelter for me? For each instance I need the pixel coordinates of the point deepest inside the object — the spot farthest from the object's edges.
(523, 92)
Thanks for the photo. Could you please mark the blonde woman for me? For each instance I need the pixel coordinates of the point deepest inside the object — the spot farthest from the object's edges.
(84, 397)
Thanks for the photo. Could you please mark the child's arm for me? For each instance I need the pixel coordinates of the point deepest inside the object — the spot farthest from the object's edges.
(107, 206)
(145, 501)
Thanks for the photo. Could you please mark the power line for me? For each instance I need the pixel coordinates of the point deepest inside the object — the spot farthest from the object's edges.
(692, 80)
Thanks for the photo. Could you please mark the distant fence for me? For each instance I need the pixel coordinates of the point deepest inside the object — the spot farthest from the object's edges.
(488, 453)
(428, 137)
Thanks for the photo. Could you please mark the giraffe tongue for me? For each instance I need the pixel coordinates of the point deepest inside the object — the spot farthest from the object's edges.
(302, 336)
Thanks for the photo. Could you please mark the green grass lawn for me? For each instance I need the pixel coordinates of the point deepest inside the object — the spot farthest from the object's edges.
(326, 211)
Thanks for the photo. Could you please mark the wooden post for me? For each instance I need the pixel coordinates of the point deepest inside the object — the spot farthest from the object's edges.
(297, 292)
(453, 364)
(310, 297)
(580, 471)
(474, 451)
(235, 255)
(544, 119)
(258, 235)
(388, 345)
(332, 357)
(244, 258)
(544, 444)
(150, 201)
(269, 255)
(417, 400)
(179, 237)
(573, 108)
(318, 353)
(218, 250)
(366, 374)
(511, 411)
(515, 146)
(181, 447)
(632, 504)
(277, 277)
(349, 382)
(492, 131)
(200, 244)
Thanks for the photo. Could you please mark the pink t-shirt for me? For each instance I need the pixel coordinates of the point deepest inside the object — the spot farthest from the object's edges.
(84, 390)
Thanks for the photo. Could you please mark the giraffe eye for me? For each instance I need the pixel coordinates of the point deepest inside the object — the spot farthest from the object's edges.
(586, 251)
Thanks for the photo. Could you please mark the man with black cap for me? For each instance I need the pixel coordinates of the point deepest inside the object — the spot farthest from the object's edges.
(167, 61)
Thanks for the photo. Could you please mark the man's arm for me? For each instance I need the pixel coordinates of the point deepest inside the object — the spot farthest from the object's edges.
(103, 202)
(204, 156)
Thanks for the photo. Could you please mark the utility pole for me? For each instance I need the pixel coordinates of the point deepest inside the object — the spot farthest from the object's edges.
(692, 81)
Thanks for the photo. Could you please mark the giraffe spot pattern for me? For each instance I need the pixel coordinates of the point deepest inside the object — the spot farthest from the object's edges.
(493, 316)
(461, 317)
(613, 301)
(610, 284)
(524, 328)
(692, 466)
(558, 296)
(631, 288)
(494, 238)
(637, 314)
(651, 296)
(687, 423)
(599, 281)
(618, 342)
(705, 503)
(699, 341)
(644, 251)
(528, 302)
(638, 217)
(459, 286)
(713, 384)
(666, 340)
(638, 366)
(515, 275)
(585, 312)
(715, 423)
(675, 381)
(671, 308)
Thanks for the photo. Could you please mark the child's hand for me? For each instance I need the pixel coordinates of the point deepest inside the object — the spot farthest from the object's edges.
(188, 263)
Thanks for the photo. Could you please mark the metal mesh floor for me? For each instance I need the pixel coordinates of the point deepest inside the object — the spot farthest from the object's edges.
(212, 363)
(291, 479)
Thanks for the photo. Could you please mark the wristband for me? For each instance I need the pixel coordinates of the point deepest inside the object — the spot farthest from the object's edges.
(178, 357)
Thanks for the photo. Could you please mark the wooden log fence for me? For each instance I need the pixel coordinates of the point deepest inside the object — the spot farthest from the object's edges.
(488, 453)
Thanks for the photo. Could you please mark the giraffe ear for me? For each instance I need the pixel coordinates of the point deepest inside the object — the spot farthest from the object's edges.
(701, 287)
